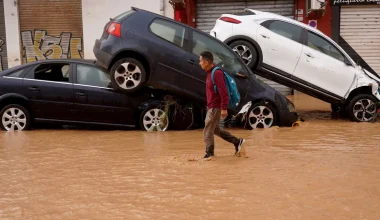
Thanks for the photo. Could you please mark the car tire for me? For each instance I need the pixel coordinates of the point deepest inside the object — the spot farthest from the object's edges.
(15, 116)
(245, 49)
(127, 75)
(150, 118)
(261, 115)
(356, 111)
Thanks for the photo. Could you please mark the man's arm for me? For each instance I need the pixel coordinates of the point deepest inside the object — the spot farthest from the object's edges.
(222, 89)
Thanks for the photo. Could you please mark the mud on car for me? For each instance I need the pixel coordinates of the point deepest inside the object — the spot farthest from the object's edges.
(143, 49)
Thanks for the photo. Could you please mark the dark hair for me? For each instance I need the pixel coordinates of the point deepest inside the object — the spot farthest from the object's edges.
(207, 56)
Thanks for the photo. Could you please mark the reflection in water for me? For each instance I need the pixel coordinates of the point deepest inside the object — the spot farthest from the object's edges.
(324, 169)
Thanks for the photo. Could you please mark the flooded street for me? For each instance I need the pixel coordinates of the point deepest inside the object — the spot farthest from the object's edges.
(324, 169)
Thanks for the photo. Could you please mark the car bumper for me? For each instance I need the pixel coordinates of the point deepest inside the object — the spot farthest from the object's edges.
(103, 58)
(287, 118)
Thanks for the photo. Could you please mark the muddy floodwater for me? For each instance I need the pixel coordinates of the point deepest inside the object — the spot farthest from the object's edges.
(327, 168)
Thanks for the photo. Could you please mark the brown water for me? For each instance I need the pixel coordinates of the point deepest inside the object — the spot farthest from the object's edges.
(324, 169)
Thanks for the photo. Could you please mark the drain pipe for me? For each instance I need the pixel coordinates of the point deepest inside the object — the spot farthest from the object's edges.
(162, 7)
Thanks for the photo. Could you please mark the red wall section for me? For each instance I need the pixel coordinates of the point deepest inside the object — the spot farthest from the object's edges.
(323, 22)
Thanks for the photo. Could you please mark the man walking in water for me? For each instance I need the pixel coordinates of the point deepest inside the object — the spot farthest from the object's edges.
(217, 103)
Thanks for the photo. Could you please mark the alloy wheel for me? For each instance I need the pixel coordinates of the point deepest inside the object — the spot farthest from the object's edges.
(155, 119)
(244, 52)
(261, 117)
(128, 75)
(14, 119)
(364, 110)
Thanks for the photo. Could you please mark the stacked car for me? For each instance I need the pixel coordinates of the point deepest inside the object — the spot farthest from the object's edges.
(146, 75)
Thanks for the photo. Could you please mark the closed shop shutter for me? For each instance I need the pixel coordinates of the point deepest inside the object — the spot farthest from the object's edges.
(208, 11)
(3, 40)
(360, 28)
(51, 29)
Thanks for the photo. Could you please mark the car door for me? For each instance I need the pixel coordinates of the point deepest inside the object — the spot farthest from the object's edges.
(224, 57)
(324, 67)
(95, 100)
(49, 88)
(281, 45)
(171, 41)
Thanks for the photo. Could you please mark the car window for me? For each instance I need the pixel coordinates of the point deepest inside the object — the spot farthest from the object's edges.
(92, 76)
(293, 32)
(57, 72)
(169, 31)
(17, 74)
(222, 56)
(322, 45)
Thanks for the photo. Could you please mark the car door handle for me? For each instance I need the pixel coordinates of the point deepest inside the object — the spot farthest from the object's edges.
(309, 55)
(192, 62)
(34, 88)
(264, 36)
(81, 93)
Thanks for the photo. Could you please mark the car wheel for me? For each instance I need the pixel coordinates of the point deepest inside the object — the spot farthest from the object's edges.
(154, 118)
(363, 108)
(261, 115)
(127, 75)
(15, 117)
(246, 51)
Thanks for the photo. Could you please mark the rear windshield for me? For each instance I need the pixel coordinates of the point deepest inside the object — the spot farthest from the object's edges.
(124, 15)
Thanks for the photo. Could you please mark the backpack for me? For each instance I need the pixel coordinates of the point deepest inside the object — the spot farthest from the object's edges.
(233, 93)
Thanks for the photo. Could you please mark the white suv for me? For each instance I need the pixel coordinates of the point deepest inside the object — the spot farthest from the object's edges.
(301, 57)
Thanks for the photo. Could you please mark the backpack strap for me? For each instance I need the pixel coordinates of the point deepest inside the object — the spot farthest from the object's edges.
(212, 77)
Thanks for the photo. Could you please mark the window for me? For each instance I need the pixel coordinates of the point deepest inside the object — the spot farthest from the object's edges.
(285, 29)
(57, 72)
(322, 45)
(17, 74)
(92, 76)
(169, 31)
(222, 56)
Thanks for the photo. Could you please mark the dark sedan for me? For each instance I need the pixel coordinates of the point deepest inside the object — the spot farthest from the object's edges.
(77, 92)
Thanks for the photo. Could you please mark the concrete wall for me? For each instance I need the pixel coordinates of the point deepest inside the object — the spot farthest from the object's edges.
(96, 14)
(12, 33)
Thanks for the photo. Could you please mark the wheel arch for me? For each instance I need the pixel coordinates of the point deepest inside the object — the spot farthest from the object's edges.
(14, 98)
(230, 40)
(357, 91)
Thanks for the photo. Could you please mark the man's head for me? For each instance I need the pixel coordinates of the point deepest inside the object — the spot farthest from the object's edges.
(206, 60)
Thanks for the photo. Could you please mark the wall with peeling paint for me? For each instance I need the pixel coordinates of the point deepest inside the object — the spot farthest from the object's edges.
(96, 13)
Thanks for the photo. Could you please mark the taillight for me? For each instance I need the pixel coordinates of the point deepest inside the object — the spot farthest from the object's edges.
(230, 20)
(114, 29)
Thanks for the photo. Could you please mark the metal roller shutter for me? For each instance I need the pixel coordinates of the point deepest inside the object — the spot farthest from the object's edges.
(208, 11)
(360, 28)
(51, 29)
(3, 41)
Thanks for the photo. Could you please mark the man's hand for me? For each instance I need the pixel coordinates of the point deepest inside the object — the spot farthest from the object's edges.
(224, 114)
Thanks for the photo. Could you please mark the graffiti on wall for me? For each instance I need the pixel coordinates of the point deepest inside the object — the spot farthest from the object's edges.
(42, 46)
(1, 50)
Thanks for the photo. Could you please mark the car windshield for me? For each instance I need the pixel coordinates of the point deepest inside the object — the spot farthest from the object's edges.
(222, 56)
